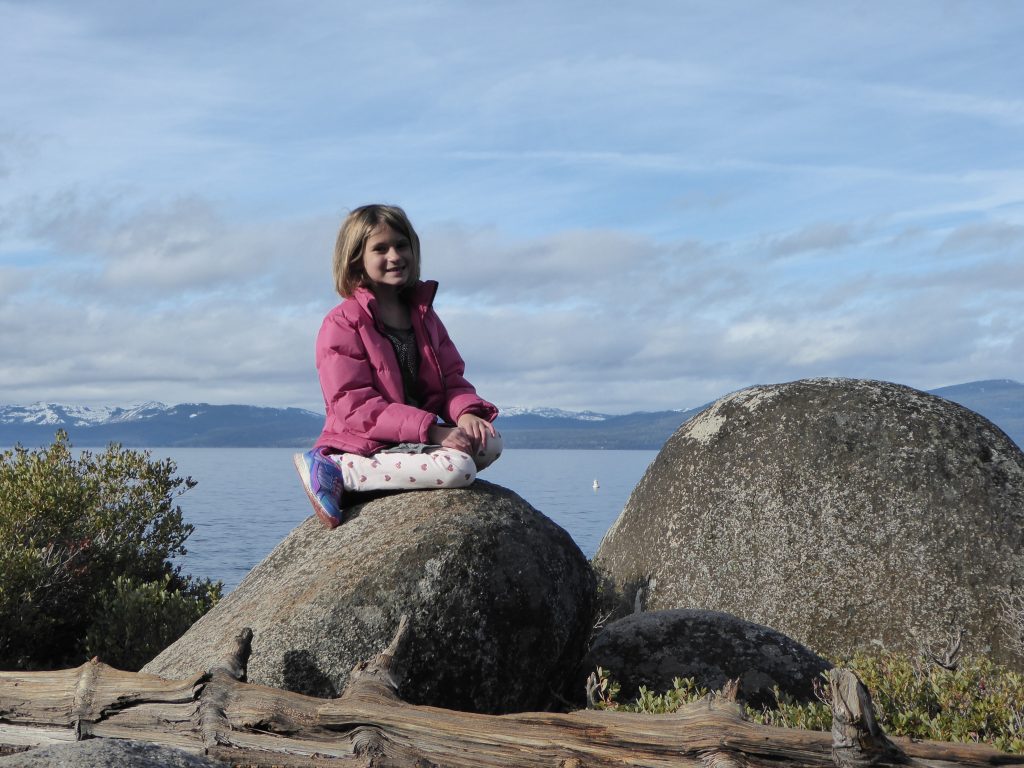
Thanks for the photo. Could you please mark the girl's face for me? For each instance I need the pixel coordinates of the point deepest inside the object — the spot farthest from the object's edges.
(386, 258)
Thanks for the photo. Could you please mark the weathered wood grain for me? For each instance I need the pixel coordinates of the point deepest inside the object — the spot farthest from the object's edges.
(219, 714)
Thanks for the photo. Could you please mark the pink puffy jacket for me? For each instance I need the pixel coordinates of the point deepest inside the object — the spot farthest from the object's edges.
(362, 382)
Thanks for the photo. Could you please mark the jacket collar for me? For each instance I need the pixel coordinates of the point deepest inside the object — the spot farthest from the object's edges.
(420, 295)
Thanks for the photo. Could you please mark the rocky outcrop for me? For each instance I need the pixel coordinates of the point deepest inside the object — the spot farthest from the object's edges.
(499, 598)
(107, 753)
(841, 512)
(652, 648)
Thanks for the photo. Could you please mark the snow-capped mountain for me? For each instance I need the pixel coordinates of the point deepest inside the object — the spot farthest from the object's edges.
(58, 414)
(551, 413)
(153, 424)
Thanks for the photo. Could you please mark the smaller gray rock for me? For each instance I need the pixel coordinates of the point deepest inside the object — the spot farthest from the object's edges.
(652, 648)
(108, 753)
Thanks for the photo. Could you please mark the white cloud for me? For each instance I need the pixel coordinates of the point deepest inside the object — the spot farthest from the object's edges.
(817, 237)
(608, 322)
(173, 251)
(110, 354)
(995, 238)
(1001, 110)
(900, 323)
(626, 208)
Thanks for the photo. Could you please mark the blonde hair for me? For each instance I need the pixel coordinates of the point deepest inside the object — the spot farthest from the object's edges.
(355, 230)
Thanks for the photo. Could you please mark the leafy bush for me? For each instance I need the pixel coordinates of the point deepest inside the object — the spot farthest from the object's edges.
(135, 621)
(684, 691)
(70, 528)
(977, 701)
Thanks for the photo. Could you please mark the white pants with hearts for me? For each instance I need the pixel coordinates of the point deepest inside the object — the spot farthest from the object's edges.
(427, 466)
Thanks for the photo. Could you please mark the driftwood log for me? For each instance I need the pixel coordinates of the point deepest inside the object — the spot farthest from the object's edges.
(219, 714)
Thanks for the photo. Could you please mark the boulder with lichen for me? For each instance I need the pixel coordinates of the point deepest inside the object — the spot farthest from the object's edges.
(844, 513)
(500, 601)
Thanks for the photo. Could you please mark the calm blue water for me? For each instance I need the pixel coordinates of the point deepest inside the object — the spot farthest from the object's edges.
(248, 499)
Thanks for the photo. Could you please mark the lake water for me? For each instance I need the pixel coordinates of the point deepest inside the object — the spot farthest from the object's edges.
(249, 499)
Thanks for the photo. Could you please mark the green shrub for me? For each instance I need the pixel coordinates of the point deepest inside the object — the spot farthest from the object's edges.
(684, 690)
(69, 528)
(977, 701)
(135, 621)
(787, 713)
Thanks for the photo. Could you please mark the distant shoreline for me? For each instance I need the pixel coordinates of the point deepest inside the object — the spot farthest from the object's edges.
(200, 425)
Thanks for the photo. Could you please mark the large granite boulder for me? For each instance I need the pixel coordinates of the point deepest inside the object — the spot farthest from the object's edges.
(653, 648)
(841, 512)
(500, 602)
(108, 753)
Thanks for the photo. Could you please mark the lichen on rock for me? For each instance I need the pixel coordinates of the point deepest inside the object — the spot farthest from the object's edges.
(652, 648)
(499, 598)
(842, 512)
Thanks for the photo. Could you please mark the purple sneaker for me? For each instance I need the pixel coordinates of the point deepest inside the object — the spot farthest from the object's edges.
(323, 483)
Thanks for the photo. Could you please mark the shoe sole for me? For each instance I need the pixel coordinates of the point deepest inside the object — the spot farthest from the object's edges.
(321, 512)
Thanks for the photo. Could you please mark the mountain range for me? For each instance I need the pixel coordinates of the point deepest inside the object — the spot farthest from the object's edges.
(154, 424)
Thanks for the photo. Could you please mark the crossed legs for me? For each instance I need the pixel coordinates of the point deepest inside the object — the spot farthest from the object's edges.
(435, 467)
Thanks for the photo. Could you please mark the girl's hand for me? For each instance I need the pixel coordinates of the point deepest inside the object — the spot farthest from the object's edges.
(478, 429)
(450, 437)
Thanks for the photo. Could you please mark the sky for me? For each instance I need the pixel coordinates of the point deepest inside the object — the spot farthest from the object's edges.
(628, 206)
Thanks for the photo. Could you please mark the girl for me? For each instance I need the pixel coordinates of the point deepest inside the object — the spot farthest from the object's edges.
(389, 372)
